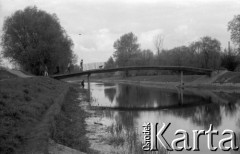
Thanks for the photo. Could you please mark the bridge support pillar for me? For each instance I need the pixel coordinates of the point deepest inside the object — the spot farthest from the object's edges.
(180, 96)
(182, 78)
(126, 73)
(89, 91)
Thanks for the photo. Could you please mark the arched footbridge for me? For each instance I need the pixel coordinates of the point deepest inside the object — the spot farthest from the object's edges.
(181, 69)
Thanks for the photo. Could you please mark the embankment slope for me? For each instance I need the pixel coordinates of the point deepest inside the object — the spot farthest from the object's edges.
(25, 107)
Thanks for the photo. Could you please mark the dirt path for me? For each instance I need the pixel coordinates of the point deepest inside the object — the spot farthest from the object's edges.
(55, 148)
(18, 73)
(207, 80)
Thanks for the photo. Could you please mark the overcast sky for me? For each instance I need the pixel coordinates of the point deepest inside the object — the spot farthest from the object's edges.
(101, 22)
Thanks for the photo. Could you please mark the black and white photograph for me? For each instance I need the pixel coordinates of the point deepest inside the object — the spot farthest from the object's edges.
(119, 77)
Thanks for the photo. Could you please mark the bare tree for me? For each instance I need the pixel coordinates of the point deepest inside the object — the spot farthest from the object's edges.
(158, 43)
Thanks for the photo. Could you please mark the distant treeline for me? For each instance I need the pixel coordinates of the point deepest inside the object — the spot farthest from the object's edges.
(205, 53)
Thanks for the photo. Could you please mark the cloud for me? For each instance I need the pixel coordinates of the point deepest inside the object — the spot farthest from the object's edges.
(102, 22)
(146, 38)
(95, 44)
(104, 40)
(182, 29)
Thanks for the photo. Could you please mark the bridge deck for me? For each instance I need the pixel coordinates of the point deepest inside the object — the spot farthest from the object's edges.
(173, 68)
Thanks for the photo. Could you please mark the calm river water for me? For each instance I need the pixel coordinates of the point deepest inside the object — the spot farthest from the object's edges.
(120, 111)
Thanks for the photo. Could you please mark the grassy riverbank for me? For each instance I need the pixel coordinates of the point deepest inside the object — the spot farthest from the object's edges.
(24, 106)
(36, 109)
(229, 77)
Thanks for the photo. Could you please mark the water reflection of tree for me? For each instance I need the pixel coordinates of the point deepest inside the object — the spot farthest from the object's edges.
(137, 96)
(200, 115)
(132, 96)
(232, 102)
(237, 134)
(110, 93)
(127, 118)
(230, 109)
(206, 115)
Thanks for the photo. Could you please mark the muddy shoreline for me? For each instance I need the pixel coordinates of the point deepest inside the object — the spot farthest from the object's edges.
(70, 127)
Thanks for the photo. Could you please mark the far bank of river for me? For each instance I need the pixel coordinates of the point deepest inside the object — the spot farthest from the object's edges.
(232, 87)
(220, 81)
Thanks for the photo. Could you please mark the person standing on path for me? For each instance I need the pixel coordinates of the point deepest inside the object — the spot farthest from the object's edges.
(68, 67)
(82, 83)
(57, 70)
(81, 65)
(45, 70)
(42, 70)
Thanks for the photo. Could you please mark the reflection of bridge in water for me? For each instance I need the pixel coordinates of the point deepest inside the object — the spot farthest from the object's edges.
(208, 97)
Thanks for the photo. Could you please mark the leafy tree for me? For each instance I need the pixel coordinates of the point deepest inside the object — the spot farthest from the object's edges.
(234, 28)
(210, 52)
(195, 49)
(126, 49)
(147, 57)
(161, 59)
(74, 59)
(205, 53)
(178, 55)
(110, 63)
(229, 60)
(34, 38)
